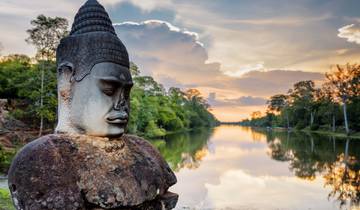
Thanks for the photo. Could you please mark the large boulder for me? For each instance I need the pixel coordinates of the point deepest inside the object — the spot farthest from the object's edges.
(61, 171)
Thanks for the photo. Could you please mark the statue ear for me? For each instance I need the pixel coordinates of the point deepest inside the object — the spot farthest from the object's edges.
(66, 69)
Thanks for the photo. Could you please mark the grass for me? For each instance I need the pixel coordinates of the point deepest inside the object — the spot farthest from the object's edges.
(5, 200)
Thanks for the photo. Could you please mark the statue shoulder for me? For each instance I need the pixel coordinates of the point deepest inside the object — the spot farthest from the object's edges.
(44, 171)
(40, 151)
(140, 141)
(143, 146)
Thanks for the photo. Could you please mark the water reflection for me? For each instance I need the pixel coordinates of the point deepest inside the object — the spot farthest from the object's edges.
(241, 168)
(184, 150)
(335, 160)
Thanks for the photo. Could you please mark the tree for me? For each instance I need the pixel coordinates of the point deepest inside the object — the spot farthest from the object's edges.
(194, 97)
(328, 106)
(45, 35)
(345, 83)
(256, 115)
(13, 70)
(279, 103)
(155, 111)
(303, 95)
(134, 70)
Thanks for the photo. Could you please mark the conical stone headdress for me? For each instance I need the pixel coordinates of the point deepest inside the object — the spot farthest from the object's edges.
(92, 40)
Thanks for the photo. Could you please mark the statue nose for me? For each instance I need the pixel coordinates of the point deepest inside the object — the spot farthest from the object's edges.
(119, 104)
(123, 116)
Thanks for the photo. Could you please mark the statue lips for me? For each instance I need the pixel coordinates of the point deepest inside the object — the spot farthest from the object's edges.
(120, 118)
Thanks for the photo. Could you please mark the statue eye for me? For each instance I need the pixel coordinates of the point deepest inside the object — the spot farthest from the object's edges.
(127, 93)
(109, 91)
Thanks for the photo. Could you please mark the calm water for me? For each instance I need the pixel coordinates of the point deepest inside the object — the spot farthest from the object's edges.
(237, 168)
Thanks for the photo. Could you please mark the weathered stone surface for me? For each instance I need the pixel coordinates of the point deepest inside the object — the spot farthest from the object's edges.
(83, 172)
(161, 202)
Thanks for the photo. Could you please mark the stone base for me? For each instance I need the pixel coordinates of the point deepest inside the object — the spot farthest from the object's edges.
(74, 172)
(167, 201)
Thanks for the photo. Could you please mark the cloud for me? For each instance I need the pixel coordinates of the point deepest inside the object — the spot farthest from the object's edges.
(266, 83)
(283, 21)
(350, 32)
(241, 101)
(168, 53)
(247, 68)
(176, 57)
(145, 5)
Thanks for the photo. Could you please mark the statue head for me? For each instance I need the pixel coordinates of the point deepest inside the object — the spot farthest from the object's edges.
(94, 79)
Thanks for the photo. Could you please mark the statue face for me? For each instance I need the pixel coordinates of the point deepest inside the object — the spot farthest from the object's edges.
(100, 103)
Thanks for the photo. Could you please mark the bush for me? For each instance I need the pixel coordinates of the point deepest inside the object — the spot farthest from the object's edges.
(6, 157)
(5, 200)
(300, 125)
(152, 130)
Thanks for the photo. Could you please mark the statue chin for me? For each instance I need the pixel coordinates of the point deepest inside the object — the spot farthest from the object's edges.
(115, 131)
(109, 131)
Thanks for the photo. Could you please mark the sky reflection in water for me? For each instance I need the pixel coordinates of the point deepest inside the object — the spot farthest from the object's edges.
(239, 168)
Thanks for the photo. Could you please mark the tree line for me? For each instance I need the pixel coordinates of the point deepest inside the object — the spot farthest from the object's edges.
(334, 106)
(29, 85)
(154, 111)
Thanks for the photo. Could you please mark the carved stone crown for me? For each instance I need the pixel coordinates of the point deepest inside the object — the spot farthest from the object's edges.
(92, 40)
(92, 17)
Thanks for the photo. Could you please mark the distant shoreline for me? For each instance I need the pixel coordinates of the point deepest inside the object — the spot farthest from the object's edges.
(307, 130)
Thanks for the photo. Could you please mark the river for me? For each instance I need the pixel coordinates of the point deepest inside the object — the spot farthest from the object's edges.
(239, 168)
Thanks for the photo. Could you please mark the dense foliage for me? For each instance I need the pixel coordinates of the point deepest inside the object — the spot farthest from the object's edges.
(335, 106)
(155, 111)
(5, 200)
(20, 83)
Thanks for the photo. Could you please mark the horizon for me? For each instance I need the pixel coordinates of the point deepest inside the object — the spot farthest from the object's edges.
(237, 61)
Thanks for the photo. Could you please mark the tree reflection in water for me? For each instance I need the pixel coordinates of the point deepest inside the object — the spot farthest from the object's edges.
(184, 150)
(343, 177)
(311, 155)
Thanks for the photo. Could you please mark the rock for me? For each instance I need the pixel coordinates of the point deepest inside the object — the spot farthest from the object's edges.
(163, 202)
(81, 172)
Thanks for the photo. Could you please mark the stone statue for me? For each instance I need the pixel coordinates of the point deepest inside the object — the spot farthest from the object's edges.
(89, 163)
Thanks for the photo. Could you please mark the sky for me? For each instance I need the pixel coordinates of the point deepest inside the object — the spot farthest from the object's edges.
(236, 52)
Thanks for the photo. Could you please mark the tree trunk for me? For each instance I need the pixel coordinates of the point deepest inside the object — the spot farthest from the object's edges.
(347, 149)
(311, 118)
(41, 100)
(312, 144)
(333, 123)
(287, 120)
(346, 161)
(345, 117)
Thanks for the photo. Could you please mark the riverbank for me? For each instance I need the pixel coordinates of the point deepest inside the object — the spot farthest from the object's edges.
(184, 130)
(354, 135)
